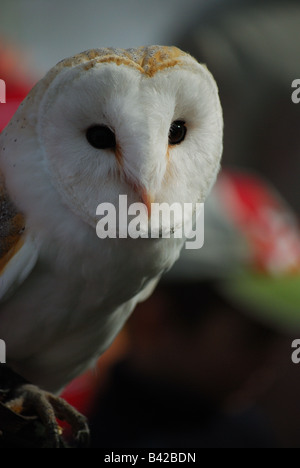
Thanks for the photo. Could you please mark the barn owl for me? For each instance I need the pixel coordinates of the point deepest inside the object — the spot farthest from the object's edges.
(146, 123)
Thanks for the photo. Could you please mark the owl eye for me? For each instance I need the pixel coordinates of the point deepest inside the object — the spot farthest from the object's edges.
(101, 137)
(177, 132)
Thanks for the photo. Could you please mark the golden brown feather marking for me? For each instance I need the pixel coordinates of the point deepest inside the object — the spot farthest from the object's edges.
(12, 252)
(164, 57)
(12, 226)
(148, 60)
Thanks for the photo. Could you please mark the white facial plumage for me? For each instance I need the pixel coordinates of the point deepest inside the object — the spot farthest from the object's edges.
(65, 293)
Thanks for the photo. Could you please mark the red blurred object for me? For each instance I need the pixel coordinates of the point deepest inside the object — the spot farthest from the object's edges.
(13, 70)
(267, 222)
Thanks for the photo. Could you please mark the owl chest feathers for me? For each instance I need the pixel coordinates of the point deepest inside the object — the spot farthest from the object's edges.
(78, 297)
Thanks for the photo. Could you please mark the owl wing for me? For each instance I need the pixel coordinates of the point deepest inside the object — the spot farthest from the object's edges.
(17, 253)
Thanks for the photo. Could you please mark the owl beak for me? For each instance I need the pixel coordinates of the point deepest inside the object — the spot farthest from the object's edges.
(145, 196)
(147, 199)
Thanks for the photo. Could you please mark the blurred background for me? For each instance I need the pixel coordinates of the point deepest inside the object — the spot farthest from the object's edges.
(206, 361)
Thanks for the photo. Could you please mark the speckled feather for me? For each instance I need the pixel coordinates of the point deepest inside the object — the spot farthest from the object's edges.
(12, 226)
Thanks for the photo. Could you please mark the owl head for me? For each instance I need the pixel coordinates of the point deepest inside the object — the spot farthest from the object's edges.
(146, 123)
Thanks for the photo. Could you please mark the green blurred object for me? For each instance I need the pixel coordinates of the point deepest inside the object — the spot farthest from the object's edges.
(273, 300)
